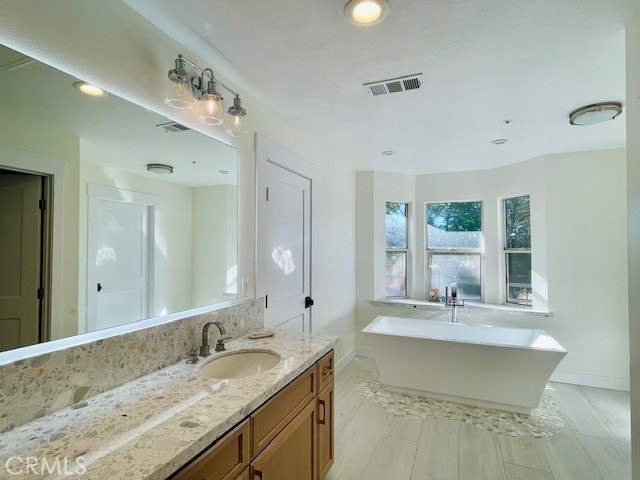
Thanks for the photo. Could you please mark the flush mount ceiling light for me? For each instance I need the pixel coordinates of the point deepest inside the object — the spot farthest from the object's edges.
(499, 141)
(185, 89)
(596, 113)
(366, 12)
(89, 89)
(160, 168)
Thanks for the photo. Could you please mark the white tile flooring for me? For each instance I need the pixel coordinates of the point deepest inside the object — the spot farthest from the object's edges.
(372, 444)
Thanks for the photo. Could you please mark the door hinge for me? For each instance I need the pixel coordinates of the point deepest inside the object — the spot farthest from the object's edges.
(40, 293)
(266, 301)
(267, 194)
(42, 204)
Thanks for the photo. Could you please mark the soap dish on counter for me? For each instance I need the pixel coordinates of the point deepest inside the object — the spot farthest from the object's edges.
(261, 334)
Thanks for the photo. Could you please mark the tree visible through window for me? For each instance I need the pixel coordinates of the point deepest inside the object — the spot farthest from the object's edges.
(397, 249)
(454, 248)
(517, 247)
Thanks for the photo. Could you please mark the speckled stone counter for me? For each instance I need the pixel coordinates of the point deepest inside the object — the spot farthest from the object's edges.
(148, 428)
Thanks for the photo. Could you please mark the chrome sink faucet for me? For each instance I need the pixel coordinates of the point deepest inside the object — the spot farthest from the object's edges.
(205, 349)
(453, 301)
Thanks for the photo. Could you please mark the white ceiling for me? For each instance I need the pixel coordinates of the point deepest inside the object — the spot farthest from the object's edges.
(113, 132)
(483, 61)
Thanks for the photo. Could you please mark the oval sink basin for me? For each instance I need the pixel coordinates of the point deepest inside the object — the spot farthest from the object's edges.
(240, 364)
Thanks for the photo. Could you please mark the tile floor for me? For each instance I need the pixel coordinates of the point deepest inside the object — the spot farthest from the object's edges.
(372, 444)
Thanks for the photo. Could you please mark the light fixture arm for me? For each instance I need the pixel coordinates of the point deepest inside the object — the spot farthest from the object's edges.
(181, 61)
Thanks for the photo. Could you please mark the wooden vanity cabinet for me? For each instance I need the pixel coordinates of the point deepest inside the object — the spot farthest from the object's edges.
(289, 437)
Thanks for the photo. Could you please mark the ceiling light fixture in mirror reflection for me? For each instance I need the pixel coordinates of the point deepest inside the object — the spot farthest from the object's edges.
(110, 213)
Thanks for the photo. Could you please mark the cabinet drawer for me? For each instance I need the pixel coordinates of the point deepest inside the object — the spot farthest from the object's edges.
(224, 460)
(276, 413)
(325, 370)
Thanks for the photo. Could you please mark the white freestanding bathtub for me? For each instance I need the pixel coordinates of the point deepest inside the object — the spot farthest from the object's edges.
(493, 367)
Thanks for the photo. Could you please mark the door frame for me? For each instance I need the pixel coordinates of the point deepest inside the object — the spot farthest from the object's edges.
(53, 170)
(266, 150)
(95, 193)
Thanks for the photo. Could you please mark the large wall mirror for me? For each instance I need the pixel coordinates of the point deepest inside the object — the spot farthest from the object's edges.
(109, 213)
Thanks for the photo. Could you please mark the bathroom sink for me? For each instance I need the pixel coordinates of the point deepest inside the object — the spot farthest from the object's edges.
(244, 363)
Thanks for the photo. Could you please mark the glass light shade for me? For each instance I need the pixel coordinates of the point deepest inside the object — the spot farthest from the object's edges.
(179, 94)
(236, 130)
(211, 109)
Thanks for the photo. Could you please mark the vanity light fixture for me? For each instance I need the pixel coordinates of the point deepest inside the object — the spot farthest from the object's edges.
(365, 13)
(184, 89)
(160, 168)
(89, 89)
(596, 113)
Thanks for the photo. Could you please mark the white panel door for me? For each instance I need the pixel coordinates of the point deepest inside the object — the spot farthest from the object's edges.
(118, 269)
(283, 241)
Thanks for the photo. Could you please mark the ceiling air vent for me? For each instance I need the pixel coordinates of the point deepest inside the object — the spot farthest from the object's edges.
(393, 85)
(173, 127)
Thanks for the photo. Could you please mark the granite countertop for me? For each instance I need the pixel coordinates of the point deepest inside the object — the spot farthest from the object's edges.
(148, 428)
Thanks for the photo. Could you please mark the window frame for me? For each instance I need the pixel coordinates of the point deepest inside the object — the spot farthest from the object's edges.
(397, 249)
(507, 250)
(480, 251)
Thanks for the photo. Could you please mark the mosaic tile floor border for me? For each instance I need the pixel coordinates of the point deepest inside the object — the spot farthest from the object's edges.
(545, 421)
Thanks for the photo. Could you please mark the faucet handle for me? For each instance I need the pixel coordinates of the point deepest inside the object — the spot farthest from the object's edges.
(192, 357)
(220, 346)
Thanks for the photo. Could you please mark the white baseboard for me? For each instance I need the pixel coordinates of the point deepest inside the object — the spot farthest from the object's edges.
(344, 361)
(364, 352)
(586, 380)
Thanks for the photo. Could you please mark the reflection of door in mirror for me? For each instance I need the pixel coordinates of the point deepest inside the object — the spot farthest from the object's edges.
(120, 256)
(175, 252)
(22, 228)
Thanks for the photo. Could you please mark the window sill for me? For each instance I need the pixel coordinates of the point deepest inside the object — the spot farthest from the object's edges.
(423, 304)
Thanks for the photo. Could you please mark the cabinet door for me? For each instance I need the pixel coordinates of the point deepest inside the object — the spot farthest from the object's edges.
(269, 420)
(325, 430)
(225, 460)
(244, 475)
(291, 455)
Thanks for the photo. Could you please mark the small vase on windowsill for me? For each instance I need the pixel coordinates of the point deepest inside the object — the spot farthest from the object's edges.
(434, 294)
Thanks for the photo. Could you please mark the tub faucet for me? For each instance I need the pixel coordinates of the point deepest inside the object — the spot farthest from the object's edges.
(453, 302)
(205, 349)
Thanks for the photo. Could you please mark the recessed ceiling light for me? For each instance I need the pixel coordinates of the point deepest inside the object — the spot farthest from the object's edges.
(89, 89)
(596, 113)
(224, 172)
(388, 152)
(499, 141)
(366, 12)
(160, 168)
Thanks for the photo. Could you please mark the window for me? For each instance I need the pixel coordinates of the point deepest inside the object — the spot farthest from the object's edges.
(397, 249)
(517, 248)
(454, 249)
